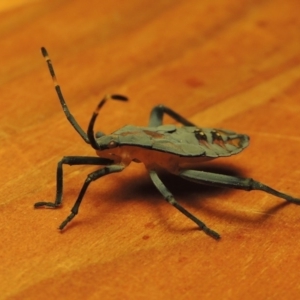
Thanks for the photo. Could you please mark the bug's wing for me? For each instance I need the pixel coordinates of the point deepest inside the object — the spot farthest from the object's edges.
(171, 139)
(187, 141)
(193, 141)
(181, 149)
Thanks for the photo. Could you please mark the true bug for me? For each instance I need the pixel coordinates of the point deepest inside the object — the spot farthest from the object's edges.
(178, 150)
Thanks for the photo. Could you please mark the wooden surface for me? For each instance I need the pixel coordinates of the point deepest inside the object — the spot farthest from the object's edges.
(232, 64)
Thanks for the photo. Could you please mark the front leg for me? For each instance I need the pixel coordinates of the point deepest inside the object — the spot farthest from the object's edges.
(170, 198)
(79, 160)
(246, 184)
(157, 114)
(70, 160)
(91, 177)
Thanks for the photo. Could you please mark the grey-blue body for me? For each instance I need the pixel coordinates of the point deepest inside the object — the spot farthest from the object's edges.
(179, 150)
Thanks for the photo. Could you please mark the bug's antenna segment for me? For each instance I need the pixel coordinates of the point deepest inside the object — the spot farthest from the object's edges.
(61, 98)
(90, 131)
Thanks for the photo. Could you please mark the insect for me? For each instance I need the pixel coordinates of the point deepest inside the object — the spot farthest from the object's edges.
(178, 150)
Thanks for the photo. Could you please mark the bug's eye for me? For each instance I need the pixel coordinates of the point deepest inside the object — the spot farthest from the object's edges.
(112, 144)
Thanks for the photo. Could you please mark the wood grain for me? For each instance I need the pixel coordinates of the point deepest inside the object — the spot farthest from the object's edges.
(232, 64)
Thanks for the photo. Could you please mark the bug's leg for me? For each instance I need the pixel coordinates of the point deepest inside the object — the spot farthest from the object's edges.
(91, 177)
(246, 184)
(70, 160)
(157, 114)
(170, 198)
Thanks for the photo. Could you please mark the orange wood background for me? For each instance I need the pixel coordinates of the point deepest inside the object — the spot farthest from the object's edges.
(229, 63)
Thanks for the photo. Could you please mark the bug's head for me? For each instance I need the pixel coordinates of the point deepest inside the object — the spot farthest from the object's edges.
(109, 147)
(100, 141)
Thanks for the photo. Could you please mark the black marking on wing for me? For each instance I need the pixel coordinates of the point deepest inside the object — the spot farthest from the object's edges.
(222, 142)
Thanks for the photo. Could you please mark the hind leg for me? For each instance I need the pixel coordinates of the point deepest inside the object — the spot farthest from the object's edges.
(246, 184)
